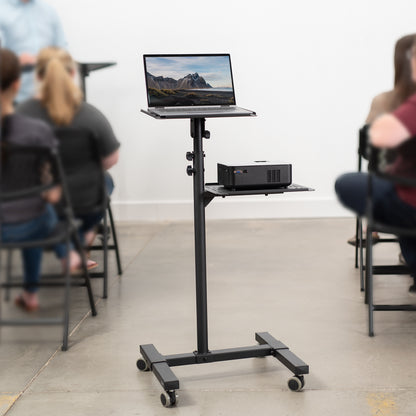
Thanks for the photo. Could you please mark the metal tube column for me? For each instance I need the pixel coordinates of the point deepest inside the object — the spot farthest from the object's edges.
(197, 133)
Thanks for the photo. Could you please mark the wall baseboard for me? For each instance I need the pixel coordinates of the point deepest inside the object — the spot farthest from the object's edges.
(231, 208)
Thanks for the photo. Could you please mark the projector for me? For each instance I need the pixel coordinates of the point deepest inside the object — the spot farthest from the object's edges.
(259, 174)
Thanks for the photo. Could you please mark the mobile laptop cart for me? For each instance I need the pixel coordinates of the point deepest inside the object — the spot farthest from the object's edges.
(160, 364)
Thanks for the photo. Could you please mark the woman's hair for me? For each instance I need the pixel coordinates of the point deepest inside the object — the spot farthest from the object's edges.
(9, 68)
(58, 92)
(404, 86)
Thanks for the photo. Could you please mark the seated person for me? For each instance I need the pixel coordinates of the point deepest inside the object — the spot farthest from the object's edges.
(33, 218)
(388, 101)
(60, 104)
(393, 205)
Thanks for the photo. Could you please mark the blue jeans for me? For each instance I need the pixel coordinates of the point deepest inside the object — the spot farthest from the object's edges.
(388, 208)
(36, 229)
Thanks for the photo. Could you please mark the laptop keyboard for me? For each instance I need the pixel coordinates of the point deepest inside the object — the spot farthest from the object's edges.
(198, 109)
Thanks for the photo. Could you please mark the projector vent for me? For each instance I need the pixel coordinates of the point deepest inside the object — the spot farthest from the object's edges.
(273, 175)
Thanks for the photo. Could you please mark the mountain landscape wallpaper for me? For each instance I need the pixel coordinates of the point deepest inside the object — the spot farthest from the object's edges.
(189, 80)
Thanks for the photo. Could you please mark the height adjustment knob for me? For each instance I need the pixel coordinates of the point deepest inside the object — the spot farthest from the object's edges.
(189, 156)
(206, 134)
(190, 170)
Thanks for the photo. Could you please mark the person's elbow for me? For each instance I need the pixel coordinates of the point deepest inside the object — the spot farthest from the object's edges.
(388, 131)
(111, 160)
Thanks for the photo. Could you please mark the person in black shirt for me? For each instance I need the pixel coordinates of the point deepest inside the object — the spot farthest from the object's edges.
(60, 104)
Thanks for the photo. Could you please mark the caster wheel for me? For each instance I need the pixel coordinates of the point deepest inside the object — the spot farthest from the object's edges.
(168, 398)
(296, 383)
(142, 365)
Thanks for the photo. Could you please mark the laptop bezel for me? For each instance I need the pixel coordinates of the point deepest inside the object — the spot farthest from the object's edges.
(188, 55)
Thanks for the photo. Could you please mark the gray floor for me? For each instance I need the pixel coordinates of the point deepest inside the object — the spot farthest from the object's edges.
(292, 278)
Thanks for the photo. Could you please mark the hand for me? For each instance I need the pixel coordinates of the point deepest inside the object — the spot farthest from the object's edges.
(53, 195)
(27, 59)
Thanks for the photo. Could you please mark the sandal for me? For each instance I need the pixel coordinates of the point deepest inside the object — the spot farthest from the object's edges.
(352, 241)
(91, 264)
(21, 303)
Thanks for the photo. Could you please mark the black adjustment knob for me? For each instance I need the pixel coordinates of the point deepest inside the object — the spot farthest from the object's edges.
(206, 134)
(190, 170)
(189, 156)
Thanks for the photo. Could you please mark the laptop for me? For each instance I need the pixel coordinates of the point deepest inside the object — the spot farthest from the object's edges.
(191, 86)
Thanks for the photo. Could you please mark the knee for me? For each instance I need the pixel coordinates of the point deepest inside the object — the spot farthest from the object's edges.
(350, 190)
(342, 186)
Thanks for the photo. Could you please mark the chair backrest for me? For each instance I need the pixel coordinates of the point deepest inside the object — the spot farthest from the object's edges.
(84, 174)
(27, 171)
(364, 147)
(363, 141)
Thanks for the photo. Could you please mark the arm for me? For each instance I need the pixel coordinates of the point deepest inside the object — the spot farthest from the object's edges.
(110, 160)
(388, 131)
(379, 106)
(107, 142)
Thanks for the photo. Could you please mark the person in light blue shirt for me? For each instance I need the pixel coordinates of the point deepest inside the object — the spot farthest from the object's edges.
(27, 26)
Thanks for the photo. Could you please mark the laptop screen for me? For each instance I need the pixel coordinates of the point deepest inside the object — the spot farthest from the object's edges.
(189, 80)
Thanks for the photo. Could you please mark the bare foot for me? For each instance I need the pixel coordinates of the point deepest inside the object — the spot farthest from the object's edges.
(90, 237)
(28, 301)
(74, 261)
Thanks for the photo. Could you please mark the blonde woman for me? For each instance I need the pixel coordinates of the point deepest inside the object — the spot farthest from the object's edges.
(60, 103)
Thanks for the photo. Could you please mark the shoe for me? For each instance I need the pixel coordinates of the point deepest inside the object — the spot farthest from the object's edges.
(352, 241)
(21, 303)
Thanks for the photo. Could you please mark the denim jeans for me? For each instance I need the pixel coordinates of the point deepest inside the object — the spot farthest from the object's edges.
(36, 229)
(388, 208)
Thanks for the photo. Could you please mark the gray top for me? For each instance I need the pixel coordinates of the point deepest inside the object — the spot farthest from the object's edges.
(19, 129)
(87, 116)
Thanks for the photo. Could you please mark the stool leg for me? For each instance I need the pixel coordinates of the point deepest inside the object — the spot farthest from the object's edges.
(357, 239)
(412, 288)
(66, 300)
(114, 234)
(361, 254)
(8, 274)
(369, 281)
(105, 257)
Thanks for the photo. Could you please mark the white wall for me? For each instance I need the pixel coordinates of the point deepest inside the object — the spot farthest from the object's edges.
(308, 68)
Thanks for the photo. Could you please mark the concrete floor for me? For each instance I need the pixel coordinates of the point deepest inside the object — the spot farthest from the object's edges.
(292, 278)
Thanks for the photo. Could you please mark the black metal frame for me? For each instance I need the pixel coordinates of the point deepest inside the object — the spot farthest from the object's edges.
(104, 236)
(84, 71)
(268, 345)
(86, 68)
(372, 226)
(363, 153)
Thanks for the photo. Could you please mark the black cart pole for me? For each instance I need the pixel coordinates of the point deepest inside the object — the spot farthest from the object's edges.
(198, 132)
